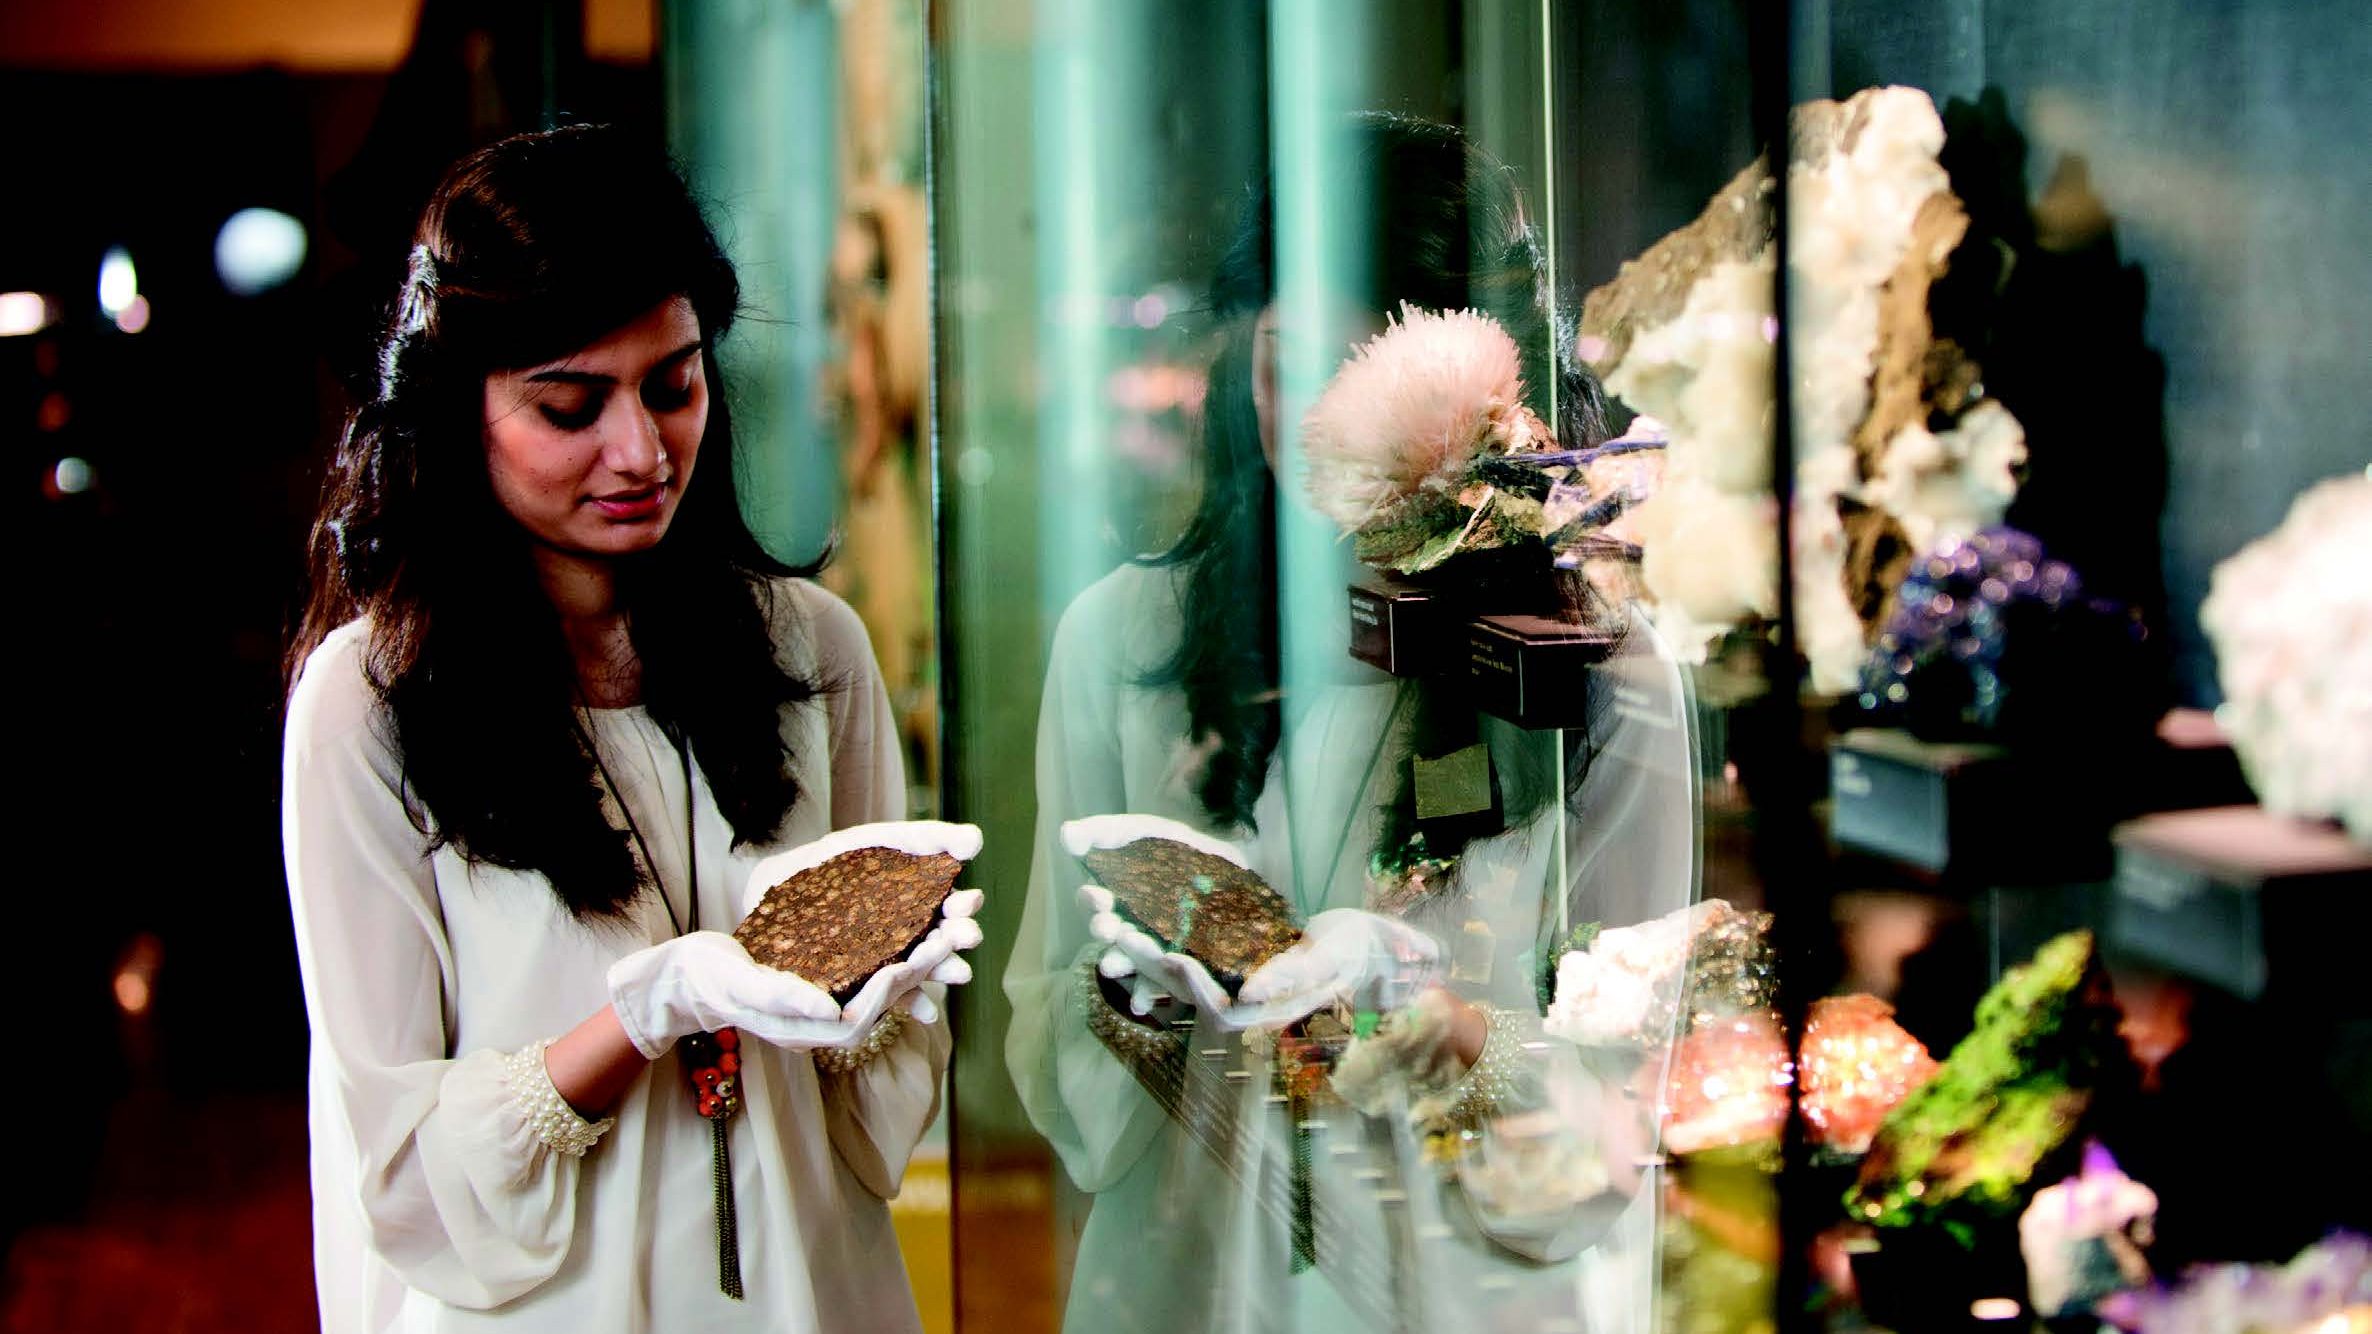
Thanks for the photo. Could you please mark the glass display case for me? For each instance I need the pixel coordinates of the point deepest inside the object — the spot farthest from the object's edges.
(1690, 678)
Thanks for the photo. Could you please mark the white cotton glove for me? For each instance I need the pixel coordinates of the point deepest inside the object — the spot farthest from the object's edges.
(1365, 960)
(705, 981)
(1132, 956)
(938, 959)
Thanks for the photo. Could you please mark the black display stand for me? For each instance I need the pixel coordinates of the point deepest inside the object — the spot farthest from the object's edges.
(1965, 814)
(1527, 670)
(1400, 628)
(1530, 670)
(1923, 804)
(2246, 901)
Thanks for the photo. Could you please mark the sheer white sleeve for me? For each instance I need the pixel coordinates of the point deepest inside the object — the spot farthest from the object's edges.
(461, 1196)
(1081, 1097)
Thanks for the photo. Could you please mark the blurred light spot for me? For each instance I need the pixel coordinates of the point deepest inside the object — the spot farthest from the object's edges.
(258, 249)
(1151, 310)
(119, 282)
(73, 476)
(55, 411)
(25, 312)
(1995, 1308)
(135, 974)
(1154, 388)
(134, 317)
(975, 466)
(1593, 348)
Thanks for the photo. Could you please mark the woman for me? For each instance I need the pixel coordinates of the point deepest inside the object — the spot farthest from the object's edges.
(1220, 1205)
(555, 704)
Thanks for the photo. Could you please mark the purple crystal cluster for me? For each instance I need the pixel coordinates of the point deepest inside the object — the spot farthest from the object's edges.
(2330, 1278)
(1938, 664)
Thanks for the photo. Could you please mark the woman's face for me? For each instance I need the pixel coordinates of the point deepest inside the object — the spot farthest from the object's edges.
(1271, 340)
(591, 453)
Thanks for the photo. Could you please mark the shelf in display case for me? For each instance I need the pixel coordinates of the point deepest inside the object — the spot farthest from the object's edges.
(2242, 899)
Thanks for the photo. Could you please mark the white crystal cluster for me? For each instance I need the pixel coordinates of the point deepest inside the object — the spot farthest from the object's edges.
(2080, 1237)
(1710, 535)
(2290, 616)
(1627, 985)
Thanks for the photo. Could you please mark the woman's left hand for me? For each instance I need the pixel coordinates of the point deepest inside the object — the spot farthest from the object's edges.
(938, 958)
(1362, 959)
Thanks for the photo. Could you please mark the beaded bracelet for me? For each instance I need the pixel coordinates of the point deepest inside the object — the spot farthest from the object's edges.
(1122, 1036)
(1495, 1078)
(555, 1123)
(847, 1060)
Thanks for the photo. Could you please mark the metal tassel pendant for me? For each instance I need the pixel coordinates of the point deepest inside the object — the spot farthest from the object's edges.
(728, 1229)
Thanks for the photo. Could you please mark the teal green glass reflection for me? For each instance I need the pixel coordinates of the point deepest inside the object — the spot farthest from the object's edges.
(754, 116)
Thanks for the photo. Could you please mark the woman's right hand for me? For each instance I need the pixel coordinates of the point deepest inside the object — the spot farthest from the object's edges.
(1137, 960)
(704, 981)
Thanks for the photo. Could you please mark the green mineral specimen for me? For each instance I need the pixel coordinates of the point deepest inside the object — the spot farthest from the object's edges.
(1960, 1151)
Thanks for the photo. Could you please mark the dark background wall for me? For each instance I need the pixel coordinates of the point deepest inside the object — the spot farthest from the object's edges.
(150, 609)
(2223, 143)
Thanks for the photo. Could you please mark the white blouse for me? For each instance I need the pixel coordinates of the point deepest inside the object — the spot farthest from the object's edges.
(435, 1206)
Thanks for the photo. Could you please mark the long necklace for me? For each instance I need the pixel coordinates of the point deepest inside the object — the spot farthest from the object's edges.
(712, 1061)
(1300, 1108)
(1308, 906)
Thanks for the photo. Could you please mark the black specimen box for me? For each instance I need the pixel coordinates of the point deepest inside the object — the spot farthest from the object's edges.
(1924, 804)
(1401, 628)
(1963, 811)
(1532, 670)
(2247, 901)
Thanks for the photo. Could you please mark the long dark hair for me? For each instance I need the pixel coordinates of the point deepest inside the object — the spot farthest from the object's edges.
(530, 248)
(1445, 230)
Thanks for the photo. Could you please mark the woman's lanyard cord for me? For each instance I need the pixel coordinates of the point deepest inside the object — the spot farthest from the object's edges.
(683, 754)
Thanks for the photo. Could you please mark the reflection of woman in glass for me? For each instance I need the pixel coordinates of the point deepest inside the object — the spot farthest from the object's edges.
(1497, 1184)
(555, 705)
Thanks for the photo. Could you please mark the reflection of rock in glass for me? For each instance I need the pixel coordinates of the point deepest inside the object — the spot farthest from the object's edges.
(2290, 616)
(1895, 445)
(1728, 1085)
(1213, 909)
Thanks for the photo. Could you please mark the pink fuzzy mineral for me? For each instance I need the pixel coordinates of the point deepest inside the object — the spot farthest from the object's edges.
(1410, 410)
